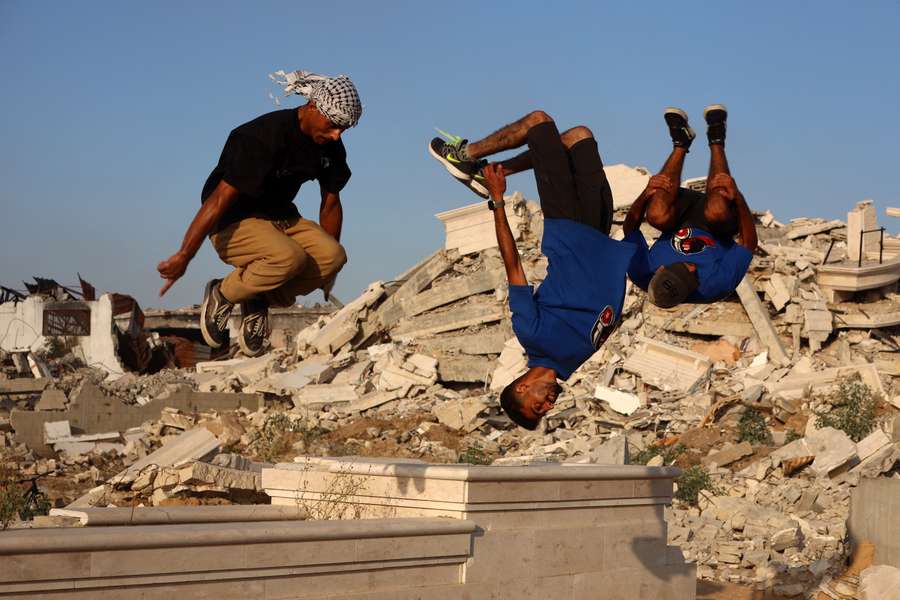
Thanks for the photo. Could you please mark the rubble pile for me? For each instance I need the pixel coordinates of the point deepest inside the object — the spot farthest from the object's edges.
(413, 366)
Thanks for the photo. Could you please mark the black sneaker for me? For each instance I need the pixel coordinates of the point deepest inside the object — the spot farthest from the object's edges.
(716, 115)
(681, 132)
(254, 327)
(466, 171)
(214, 314)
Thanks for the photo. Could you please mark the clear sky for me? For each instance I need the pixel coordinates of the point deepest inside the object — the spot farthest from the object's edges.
(113, 113)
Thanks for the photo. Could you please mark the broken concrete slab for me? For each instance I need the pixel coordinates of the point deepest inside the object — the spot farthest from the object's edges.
(372, 400)
(52, 399)
(192, 445)
(475, 313)
(452, 290)
(92, 411)
(613, 451)
(466, 369)
(317, 396)
(833, 450)
(487, 341)
(871, 444)
(722, 318)
(807, 230)
(667, 367)
(825, 381)
(394, 377)
(220, 478)
(759, 317)
(621, 402)
(393, 309)
(421, 364)
(315, 369)
(23, 385)
(780, 289)
(730, 455)
(880, 582)
(56, 430)
(459, 414)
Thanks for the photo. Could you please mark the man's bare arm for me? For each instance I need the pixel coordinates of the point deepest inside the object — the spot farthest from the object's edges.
(746, 225)
(206, 218)
(331, 213)
(635, 215)
(496, 184)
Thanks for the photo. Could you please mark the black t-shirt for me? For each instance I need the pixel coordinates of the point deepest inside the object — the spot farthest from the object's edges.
(267, 160)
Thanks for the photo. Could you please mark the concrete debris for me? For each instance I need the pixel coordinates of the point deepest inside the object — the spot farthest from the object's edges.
(462, 413)
(52, 399)
(832, 448)
(413, 369)
(728, 455)
(621, 402)
(881, 582)
(317, 396)
(668, 367)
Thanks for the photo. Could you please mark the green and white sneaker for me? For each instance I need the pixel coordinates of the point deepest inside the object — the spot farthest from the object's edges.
(450, 153)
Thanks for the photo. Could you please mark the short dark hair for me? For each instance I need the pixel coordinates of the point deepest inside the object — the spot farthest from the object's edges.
(512, 406)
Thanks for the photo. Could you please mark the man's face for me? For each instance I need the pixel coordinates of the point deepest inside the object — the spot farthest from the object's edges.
(538, 396)
(321, 129)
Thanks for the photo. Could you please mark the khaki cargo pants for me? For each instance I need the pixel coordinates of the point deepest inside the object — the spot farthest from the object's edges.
(278, 260)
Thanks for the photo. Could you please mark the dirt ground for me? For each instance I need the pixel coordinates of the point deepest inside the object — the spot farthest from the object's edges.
(708, 590)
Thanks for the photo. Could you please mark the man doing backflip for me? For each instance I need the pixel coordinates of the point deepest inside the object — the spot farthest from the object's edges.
(580, 302)
(248, 210)
(696, 259)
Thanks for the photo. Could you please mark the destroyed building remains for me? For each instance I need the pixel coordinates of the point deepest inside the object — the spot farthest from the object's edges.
(412, 367)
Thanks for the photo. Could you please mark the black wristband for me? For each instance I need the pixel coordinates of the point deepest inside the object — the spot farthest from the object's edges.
(494, 205)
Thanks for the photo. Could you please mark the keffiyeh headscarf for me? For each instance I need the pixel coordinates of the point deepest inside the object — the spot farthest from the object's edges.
(335, 97)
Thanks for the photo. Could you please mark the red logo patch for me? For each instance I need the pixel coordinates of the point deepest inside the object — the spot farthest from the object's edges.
(603, 326)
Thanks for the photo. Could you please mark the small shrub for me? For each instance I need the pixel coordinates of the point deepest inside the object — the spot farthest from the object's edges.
(792, 436)
(475, 455)
(752, 428)
(855, 412)
(691, 482)
(278, 433)
(11, 498)
(669, 454)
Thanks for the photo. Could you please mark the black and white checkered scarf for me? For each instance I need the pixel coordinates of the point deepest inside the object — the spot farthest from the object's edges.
(335, 97)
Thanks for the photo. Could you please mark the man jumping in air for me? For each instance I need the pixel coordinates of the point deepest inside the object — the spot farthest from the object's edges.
(580, 302)
(696, 259)
(248, 210)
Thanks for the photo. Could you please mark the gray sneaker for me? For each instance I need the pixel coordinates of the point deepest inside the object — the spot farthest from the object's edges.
(254, 327)
(214, 315)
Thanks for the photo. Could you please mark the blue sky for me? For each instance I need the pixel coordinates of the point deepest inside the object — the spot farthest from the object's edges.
(113, 113)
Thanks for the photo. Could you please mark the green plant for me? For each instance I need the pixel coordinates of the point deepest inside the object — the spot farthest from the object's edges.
(855, 412)
(278, 433)
(669, 454)
(475, 455)
(11, 499)
(691, 482)
(792, 436)
(752, 428)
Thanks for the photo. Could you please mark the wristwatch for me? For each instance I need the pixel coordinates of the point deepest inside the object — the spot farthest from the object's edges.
(494, 205)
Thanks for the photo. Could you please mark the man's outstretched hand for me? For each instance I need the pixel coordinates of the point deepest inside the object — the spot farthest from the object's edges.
(724, 184)
(495, 180)
(172, 269)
